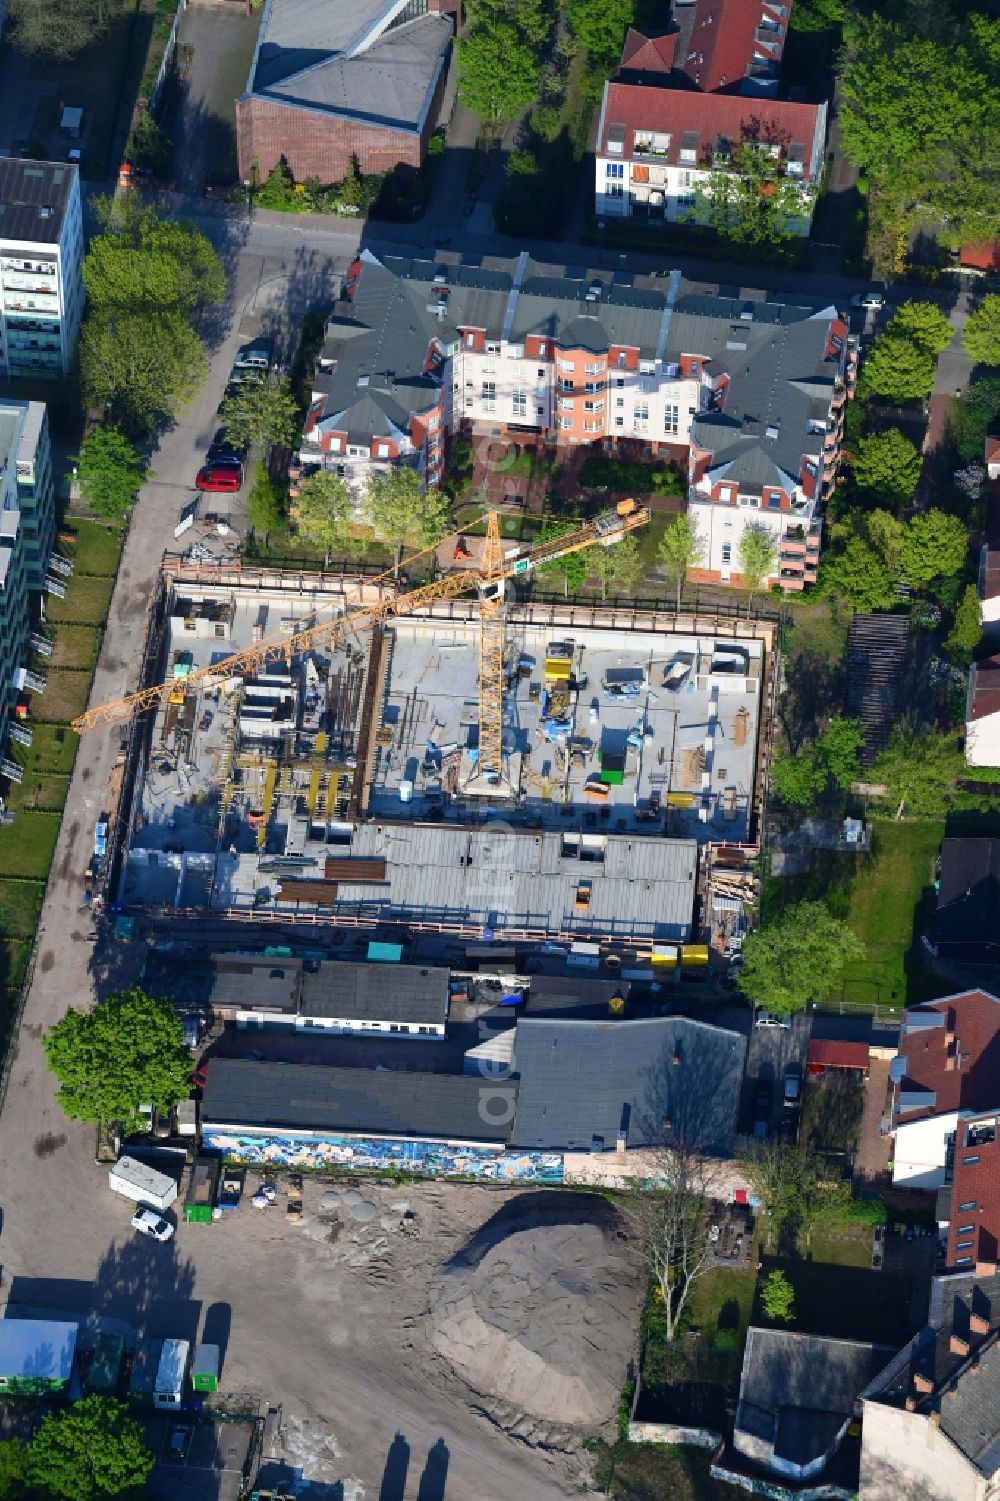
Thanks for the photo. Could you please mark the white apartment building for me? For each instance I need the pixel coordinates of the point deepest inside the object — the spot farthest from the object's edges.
(41, 266)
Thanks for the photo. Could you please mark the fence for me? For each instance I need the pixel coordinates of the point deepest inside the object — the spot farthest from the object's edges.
(166, 60)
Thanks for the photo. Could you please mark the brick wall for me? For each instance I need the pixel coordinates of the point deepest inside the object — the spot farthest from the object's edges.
(323, 146)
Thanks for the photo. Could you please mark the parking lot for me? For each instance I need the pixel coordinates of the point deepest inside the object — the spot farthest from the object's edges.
(197, 1461)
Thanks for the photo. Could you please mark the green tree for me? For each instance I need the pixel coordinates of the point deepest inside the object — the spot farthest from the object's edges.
(981, 334)
(898, 369)
(782, 1180)
(935, 545)
(798, 780)
(110, 472)
(126, 1053)
(404, 512)
(757, 552)
(617, 569)
(857, 575)
(572, 567)
(817, 15)
(601, 26)
(325, 513)
(54, 29)
(531, 18)
(263, 508)
(798, 959)
(259, 415)
(967, 630)
(918, 772)
(749, 198)
(681, 548)
(499, 73)
(91, 1450)
(144, 369)
(777, 1298)
(351, 192)
(13, 1469)
(888, 465)
(923, 324)
(149, 147)
(143, 261)
(838, 750)
(975, 417)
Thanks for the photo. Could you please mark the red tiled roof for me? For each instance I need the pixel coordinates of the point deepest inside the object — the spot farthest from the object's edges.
(983, 257)
(989, 577)
(959, 1061)
(975, 1180)
(674, 112)
(649, 54)
(985, 694)
(824, 1054)
(992, 450)
(721, 47)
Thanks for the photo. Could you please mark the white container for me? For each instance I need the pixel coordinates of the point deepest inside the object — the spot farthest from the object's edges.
(406, 792)
(143, 1185)
(168, 1391)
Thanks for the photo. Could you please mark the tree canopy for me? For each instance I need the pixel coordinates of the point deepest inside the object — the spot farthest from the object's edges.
(923, 324)
(967, 628)
(888, 465)
(403, 511)
(55, 29)
(919, 772)
(143, 260)
(777, 1298)
(110, 471)
(680, 549)
(324, 513)
(126, 1053)
(601, 26)
(145, 370)
(617, 569)
(800, 778)
(898, 369)
(750, 200)
(935, 545)
(981, 334)
(499, 73)
(92, 1450)
(572, 567)
(263, 507)
(798, 959)
(259, 415)
(757, 552)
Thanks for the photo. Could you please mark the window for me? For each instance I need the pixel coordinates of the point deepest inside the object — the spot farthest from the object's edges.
(621, 361)
(540, 411)
(520, 403)
(593, 406)
(619, 401)
(540, 372)
(964, 1245)
(619, 382)
(641, 414)
(774, 500)
(693, 369)
(963, 1260)
(964, 1208)
(565, 367)
(492, 346)
(619, 422)
(489, 369)
(671, 418)
(382, 450)
(970, 1161)
(642, 386)
(671, 371)
(614, 169)
(647, 367)
(591, 427)
(591, 386)
(564, 424)
(515, 352)
(727, 552)
(470, 341)
(615, 190)
(750, 500)
(489, 390)
(965, 1229)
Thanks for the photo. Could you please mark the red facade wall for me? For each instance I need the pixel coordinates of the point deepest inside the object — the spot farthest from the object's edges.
(323, 146)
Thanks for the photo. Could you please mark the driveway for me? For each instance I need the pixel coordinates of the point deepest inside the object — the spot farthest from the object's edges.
(219, 44)
(772, 1052)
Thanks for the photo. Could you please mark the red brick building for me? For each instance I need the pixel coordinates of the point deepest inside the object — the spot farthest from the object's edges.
(351, 81)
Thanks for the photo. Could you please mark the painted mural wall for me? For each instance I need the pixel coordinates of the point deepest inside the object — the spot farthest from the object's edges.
(432, 1159)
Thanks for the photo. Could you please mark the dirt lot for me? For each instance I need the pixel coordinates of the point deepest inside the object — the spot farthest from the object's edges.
(466, 1326)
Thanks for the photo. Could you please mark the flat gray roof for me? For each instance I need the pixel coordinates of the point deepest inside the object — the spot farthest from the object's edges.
(37, 1349)
(583, 1080)
(33, 199)
(317, 1099)
(376, 992)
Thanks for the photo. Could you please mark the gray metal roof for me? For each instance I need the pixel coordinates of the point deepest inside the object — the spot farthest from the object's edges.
(376, 992)
(311, 1097)
(779, 380)
(798, 1390)
(500, 878)
(37, 1349)
(34, 197)
(246, 982)
(581, 1080)
(350, 57)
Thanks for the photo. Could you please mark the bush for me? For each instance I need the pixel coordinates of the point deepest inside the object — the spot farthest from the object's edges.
(625, 1408)
(598, 473)
(726, 1340)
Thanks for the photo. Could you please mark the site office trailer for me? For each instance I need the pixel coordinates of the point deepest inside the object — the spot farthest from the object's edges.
(168, 1390)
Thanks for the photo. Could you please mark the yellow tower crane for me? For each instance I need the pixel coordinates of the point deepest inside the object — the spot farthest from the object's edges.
(488, 580)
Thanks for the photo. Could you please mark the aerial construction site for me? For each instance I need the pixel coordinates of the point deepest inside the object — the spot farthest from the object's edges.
(371, 757)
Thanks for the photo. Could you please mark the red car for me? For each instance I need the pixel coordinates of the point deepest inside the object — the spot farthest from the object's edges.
(219, 477)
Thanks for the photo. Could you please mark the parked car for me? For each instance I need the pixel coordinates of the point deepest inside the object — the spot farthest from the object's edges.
(219, 477)
(193, 1024)
(792, 1089)
(762, 1107)
(871, 299)
(148, 1222)
(256, 355)
(765, 1019)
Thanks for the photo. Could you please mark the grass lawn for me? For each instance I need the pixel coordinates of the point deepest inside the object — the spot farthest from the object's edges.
(27, 844)
(659, 1472)
(849, 1301)
(842, 1245)
(885, 896)
(96, 550)
(53, 748)
(20, 904)
(75, 646)
(14, 954)
(86, 602)
(691, 1380)
(64, 698)
(43, 790)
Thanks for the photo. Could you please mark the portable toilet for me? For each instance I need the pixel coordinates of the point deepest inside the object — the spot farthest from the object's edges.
(205, 1368)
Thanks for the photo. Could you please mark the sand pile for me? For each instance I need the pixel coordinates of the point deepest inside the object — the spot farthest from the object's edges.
(540, 1309)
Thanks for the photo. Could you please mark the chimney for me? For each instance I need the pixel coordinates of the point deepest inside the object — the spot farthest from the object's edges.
(934, 1418)
(985, 1268)
(958, 1346)
(978, 1325)
(922, 1383)
(677, 1058)
(950, 1063)
(911, 1404)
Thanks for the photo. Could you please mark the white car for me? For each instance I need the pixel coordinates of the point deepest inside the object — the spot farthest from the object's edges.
(764, 1019)
(148, 1222)
(871, 299)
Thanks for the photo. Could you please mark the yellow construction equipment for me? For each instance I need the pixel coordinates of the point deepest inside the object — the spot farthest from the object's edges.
(488, 581)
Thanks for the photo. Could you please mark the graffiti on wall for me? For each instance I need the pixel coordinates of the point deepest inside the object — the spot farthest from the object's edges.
(430, 1159)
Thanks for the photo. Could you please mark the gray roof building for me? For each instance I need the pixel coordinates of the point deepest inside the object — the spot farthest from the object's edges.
(583, 1085)
(34, 198)
(365, 59)
(314, 1099)
(797, 1396)
(393, 993)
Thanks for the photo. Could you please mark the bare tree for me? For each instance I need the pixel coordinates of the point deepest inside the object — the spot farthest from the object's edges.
(673, 1213)
(782, 1180)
